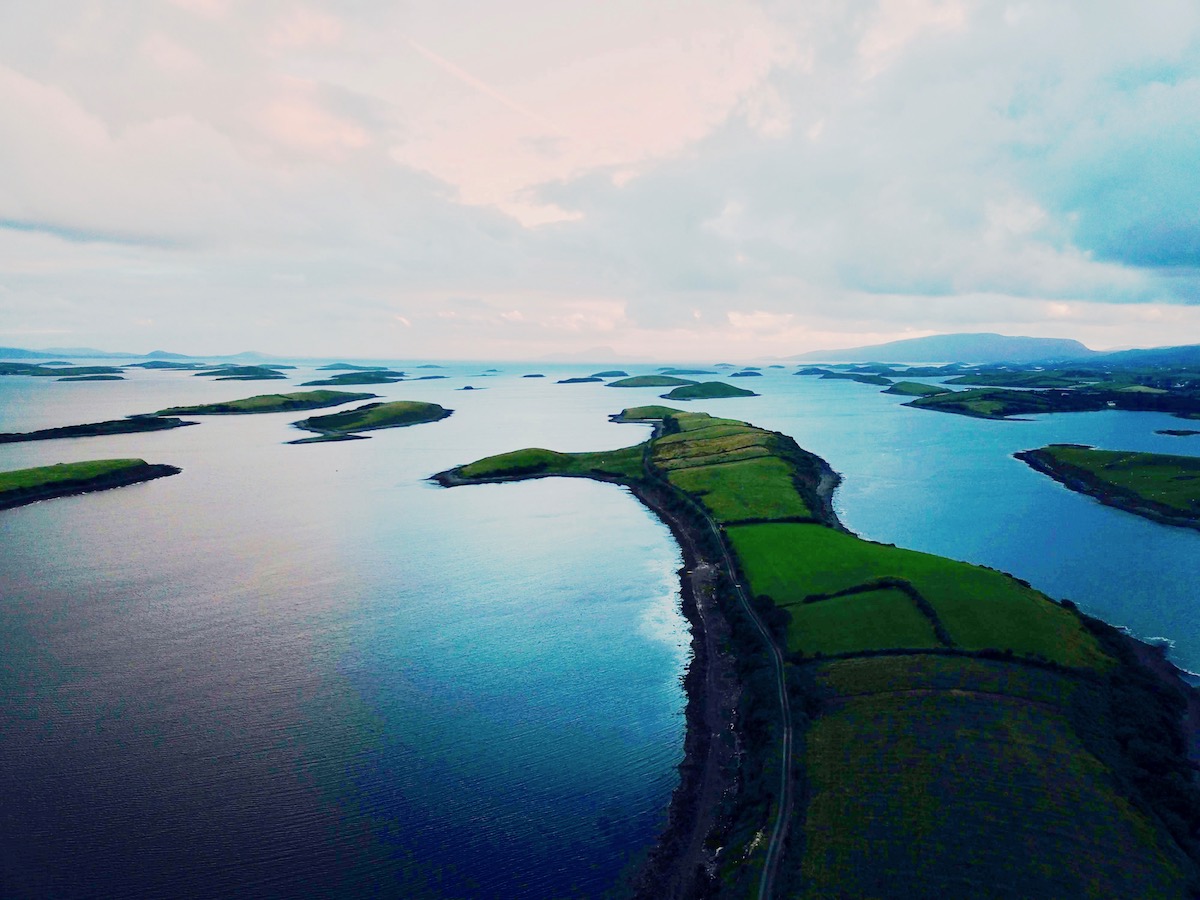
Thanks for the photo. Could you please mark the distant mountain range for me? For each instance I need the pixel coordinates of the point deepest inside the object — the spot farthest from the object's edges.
(961, 348)
(93, 353)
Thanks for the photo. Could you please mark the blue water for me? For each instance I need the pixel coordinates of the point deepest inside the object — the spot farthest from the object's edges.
(304, 670)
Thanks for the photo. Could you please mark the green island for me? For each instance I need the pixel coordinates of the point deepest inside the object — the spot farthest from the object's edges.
(135, 425)
(914, 389)
(650, 381)
(860, 377)
(243, 373)
(346, 425)
(587, 379)
(22, 486)
(610, 373)
(51, 370)
(869, 721)
(1158, 486)
(1003, 392)
(746, 374)
(670, 371)
(367, 376)
(268, 403)
(1178, 432)
(707, 390)
(93, 378)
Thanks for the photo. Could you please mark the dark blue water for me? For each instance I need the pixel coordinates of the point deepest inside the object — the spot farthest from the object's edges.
(305, 671)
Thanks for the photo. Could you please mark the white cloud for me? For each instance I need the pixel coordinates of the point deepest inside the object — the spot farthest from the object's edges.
(690, 175)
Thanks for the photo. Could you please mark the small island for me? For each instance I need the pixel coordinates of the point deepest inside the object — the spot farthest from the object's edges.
(23, 486)
(93, 378)
(1156, 486)
(346, 425)
(915, 389)
(610, 373)
(650, 381)
(268, 403)
(243, 373)
(707, 390)
(859, 377)
(135, 425)
(369, 376)
(590, 379)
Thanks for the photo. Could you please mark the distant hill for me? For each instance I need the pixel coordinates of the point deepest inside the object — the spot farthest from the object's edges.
(963, 348)
(1187, 355)
(93, 353)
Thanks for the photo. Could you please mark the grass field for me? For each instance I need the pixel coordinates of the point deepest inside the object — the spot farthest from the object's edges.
(980, 608)
(758, 488)
(958, 794)
(23, 479)
(269, 403)
(882, 619)
(1168, 481)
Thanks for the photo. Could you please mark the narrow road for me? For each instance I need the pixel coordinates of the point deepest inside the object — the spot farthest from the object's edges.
(784, 810)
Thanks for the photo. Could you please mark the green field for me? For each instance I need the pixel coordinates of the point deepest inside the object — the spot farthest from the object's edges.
(708, 390)
(980, 608)
(1162, 482)
(962, 794)
(750, 489)
(883, 619)
(650, 381)
(268, 403)
(371, 417)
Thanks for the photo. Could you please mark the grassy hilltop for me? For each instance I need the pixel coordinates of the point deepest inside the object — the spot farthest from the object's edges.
(954, 732)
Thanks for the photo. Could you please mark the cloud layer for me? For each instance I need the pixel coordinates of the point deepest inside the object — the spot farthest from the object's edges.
(682, 180)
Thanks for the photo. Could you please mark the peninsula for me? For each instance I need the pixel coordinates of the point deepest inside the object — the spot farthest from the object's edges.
(1158, 486)
(346, 425)
(23, 486)
(865, 720)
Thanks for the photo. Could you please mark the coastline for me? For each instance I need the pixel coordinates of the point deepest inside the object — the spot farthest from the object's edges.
(683, 861)
(680, 865)
(1073, 481)
(146, 472)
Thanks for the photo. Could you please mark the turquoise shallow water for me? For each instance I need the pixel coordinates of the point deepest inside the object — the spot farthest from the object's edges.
(305, 670)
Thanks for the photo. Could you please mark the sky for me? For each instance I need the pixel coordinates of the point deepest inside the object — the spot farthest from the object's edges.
(664, 179)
